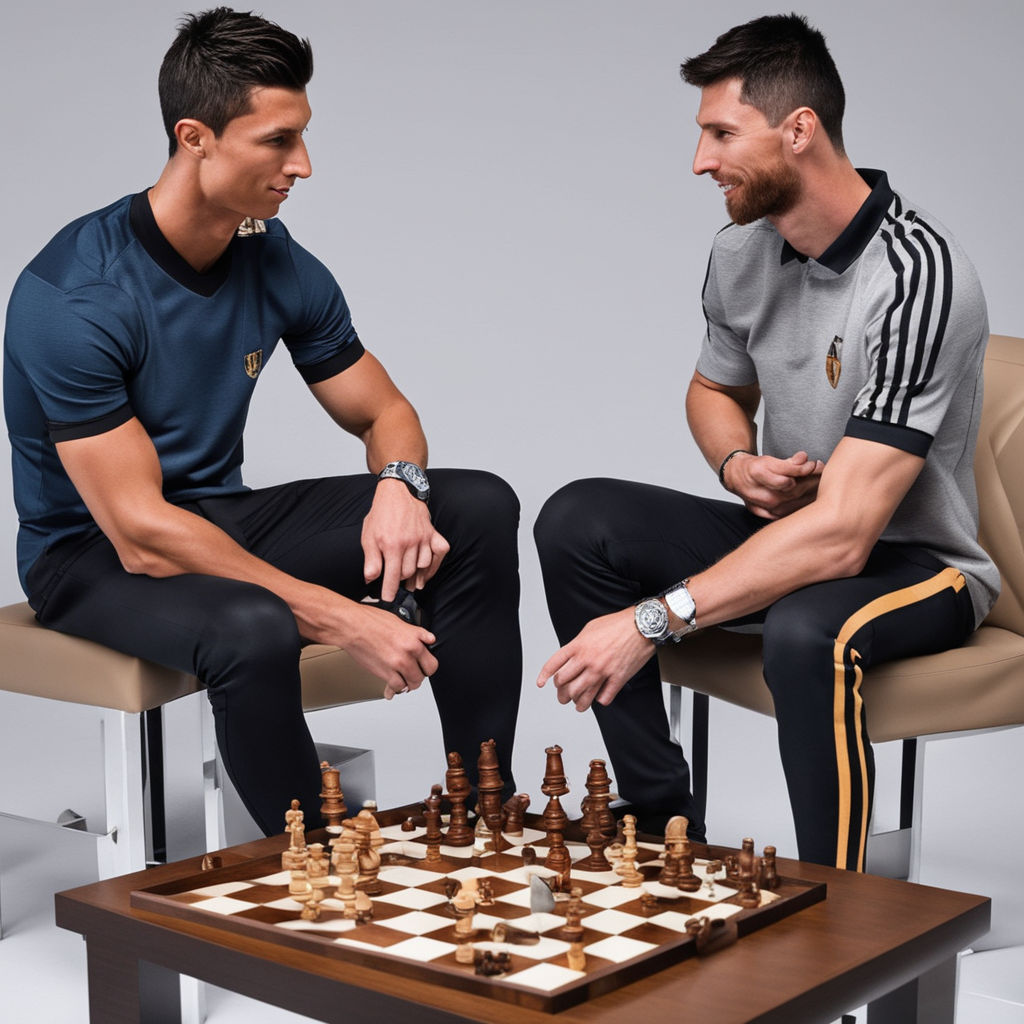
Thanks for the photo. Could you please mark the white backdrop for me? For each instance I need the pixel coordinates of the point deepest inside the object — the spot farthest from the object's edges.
(504, 192)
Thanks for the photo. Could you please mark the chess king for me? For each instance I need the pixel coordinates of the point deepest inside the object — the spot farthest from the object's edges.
(133, 344)
(860, 322)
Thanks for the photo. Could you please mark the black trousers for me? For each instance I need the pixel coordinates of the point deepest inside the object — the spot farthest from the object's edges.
(604, 544)
(242, 642)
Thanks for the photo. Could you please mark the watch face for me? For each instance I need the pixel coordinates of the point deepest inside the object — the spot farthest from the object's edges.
(415, 476)
(651, 618)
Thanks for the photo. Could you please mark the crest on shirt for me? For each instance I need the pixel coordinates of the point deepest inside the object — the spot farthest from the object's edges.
(834, 361)
(253, 363)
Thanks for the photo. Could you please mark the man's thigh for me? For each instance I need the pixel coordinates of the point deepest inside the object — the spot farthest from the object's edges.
(173, 621)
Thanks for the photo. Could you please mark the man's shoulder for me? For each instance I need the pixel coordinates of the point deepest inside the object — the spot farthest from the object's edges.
(83, 252)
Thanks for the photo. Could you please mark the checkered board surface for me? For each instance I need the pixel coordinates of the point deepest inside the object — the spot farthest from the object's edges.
(413, 927)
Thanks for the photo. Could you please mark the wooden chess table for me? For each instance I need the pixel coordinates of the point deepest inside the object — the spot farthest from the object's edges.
(890, 944)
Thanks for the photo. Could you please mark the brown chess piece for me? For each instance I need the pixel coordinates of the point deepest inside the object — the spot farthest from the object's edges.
(555, 819)
(489, 786)
(559, 859)
(688, 881)
(432, 813)
(458, 789)
(769, 873)
(515, 811)
(333, 809)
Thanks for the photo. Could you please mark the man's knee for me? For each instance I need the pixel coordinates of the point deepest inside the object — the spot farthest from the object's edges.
(251, 627)
(798, 646)
(568, 513)
(474, 502)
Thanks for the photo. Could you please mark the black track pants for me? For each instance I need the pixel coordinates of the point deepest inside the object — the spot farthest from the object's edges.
(241, 640)
(604, 544)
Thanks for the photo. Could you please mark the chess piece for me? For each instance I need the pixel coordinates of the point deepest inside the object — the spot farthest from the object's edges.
(710, 871)
(576, 959)
(670, 872)
(364, 907)
(769, 875)
(598, 822)
(485, 892)
(559, 860)
(317, 867)
(333, 809)
(432, 813)
(458, 788)
(554, 819)
(368, 842)
(489, 786)
(688, 880)
(294, 858)
(514, 811)
(408, 825)
(626, 869)
(489, 964)
(675, 833)
(572, 930)
(311, 904)
(529, 855)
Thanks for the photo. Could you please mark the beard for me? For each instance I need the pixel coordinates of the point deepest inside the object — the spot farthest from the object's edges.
(765, 192)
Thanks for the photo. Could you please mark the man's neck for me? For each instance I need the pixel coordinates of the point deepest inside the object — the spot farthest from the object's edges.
(198, 234)
(830, 199)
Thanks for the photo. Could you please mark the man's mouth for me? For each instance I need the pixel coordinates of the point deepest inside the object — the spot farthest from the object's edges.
(282, 192)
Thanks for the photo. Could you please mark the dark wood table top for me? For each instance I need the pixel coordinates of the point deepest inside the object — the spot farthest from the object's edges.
(870, 936)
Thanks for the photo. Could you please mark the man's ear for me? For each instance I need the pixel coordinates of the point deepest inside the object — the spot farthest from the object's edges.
(800, 129)
(192, 136)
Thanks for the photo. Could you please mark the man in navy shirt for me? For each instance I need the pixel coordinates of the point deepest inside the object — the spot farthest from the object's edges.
(133, 343)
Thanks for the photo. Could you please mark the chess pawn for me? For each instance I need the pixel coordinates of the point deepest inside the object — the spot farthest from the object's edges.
(317, 866)
(464, 929)
(346, 895)
(769, 875)
(572, 930)
(364, 907)
(298, 885)
(294, 857)
(710, 871)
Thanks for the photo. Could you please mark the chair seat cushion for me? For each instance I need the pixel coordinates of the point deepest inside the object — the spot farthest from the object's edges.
(977, 686)
(43, 663)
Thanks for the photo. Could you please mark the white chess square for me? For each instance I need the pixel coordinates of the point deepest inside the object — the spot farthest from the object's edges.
(614, 896)
(672, 920)
(416, 923)
(546, 977)
(538, 923)
(618, 949)
(421, 948)
(224, 905)
(337, 926)
(612, 922)
(412, 899)
(278, 878)
(224, 889)
(402, 875)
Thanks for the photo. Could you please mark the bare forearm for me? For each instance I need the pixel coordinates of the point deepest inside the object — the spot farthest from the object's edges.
(395, 434)
(719, 422)
(171, 541)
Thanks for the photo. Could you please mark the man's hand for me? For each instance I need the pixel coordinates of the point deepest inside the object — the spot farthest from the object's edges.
(772, 488)
(391, 649)
(399, 540)
(606, 654)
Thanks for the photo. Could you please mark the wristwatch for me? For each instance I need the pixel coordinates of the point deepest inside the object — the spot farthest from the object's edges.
(410, 474)
(651, 620)
(682, 606)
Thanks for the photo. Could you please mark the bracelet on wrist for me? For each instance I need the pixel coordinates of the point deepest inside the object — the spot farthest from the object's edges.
(725, 462)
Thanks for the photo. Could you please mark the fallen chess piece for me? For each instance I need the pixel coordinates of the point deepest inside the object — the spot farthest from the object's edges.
(712, 935)
(512, 936)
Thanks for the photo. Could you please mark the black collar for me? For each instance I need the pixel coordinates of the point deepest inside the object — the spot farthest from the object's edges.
(143, 223)
(856, 235)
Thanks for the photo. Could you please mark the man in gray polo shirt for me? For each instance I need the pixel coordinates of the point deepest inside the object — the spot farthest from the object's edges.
(857, 323)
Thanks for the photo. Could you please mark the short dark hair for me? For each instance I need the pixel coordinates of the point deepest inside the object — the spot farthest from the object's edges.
(218, 57)
(783, 64)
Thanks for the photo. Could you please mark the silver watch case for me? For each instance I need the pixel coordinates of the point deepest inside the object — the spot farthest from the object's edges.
(410, 474)
(651, 620)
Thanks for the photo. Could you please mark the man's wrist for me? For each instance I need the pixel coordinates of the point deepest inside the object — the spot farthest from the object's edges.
(725, 462)
(409, 474)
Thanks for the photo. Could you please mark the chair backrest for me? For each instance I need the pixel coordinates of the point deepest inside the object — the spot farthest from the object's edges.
(999, 472)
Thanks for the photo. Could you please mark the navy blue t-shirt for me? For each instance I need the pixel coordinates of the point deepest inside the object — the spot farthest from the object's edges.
(109, 322)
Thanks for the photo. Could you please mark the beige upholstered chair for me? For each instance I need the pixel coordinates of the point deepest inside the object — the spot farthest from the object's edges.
(41, 663)
(977, 686)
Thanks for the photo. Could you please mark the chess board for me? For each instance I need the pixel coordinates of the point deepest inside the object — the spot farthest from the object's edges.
(412, 932)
